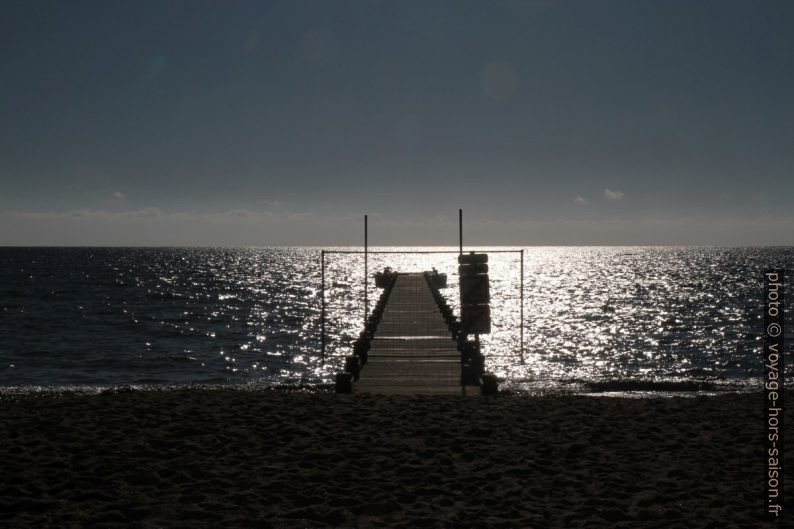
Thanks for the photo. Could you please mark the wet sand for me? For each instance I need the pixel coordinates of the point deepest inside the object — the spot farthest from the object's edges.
(232, 458)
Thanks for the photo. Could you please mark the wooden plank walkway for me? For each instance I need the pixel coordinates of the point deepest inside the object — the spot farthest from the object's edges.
(412, 351)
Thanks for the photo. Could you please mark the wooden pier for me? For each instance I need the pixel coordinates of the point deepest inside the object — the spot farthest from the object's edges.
(412, 350)
(412, 343)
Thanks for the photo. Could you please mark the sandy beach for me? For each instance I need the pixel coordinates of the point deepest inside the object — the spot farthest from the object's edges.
(274, 458)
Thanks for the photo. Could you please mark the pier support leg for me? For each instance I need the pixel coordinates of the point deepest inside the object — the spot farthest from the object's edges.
(344, 383)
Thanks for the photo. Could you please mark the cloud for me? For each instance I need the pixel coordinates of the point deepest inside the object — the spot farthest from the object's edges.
(613, 195)
(579, 200)
(762, 230)
(241, 227)
(153, 226)
(118, 195)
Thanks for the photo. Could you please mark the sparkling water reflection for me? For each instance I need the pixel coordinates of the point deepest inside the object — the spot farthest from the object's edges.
(212, 315)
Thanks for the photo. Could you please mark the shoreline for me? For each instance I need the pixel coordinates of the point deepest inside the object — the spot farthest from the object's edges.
(620, 388)
(276, 458)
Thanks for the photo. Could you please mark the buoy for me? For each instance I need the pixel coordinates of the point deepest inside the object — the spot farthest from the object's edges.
(472, 258)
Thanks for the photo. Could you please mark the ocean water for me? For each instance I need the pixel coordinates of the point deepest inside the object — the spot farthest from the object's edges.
(172, 316)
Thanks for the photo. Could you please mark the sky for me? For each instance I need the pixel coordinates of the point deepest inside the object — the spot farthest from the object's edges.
(282, 123)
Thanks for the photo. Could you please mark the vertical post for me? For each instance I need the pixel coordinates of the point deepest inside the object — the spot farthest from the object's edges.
(460, 229)
(322, 306)
(521, 351)
(366, 271)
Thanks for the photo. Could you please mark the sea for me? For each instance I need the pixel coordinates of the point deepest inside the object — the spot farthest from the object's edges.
(595, 319)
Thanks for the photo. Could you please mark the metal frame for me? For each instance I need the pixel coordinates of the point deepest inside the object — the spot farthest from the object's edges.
(366, 271)
(366, 253)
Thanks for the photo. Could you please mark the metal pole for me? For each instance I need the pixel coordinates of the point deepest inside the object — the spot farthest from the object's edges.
(460, 229)
(366, 271)
(522, 307)
(322, 309)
